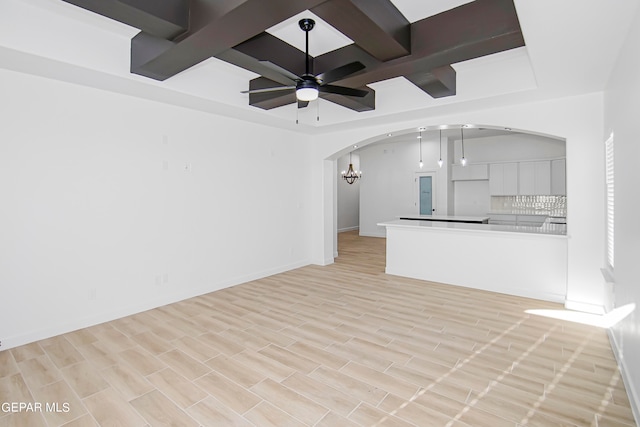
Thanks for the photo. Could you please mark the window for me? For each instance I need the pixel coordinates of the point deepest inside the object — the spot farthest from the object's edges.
(609, 176)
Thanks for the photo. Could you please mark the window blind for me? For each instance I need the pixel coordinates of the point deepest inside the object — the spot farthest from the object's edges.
(610, 200)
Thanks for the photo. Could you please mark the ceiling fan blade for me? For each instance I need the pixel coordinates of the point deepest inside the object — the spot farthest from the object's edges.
(341, 90)
(302, 104)
(269, 89)
(288, 74)
(340, 72)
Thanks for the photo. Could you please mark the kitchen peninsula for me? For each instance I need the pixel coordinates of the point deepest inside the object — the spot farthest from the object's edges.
(526, 261)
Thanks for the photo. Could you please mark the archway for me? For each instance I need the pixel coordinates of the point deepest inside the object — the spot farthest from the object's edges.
(393, 162)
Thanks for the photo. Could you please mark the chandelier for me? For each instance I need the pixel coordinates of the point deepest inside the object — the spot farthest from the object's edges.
(351, 175)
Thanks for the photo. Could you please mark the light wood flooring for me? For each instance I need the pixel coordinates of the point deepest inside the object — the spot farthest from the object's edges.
(342, 345)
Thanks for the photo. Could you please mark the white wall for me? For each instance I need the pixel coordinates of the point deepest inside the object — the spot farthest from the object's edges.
(622, 103)
(471, 198)
(348, 196)
(508, 148)
(99, 219)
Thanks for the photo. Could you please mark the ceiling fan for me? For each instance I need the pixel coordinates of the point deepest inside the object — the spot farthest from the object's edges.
(308, 86)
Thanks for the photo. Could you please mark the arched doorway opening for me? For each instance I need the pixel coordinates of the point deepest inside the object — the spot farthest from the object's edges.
(507, 171)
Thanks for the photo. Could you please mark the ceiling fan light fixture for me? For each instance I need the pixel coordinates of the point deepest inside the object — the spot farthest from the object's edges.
(307, 94)
(307, 90)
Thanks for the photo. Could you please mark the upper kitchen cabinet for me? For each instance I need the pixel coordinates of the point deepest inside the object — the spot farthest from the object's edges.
(558, 177)
(471, 172)
(503, 179)
(534, 178)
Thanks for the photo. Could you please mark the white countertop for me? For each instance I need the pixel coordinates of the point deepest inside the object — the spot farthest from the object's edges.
(547, 228)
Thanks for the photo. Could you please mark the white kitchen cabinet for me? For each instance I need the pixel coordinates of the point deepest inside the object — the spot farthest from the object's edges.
(503, 179)
(534, 178)
(496, 179)
(558, 177)
(473, 172)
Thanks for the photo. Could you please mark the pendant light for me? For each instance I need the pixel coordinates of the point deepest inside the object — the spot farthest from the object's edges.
(351, 175)
(463, 160)
(440, 162)
(420, 145)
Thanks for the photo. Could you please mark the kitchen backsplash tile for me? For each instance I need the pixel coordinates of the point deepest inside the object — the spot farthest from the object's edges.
(541, 205)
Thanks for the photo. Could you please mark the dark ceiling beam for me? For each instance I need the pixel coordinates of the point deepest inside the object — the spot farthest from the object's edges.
(166, 19)
(469, 31)
(227, 23)
(249, 63)
(438, 83)
(377, 26)
(264, 46)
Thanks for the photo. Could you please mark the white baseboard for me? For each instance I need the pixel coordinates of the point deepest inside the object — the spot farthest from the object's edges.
(323, 261)
(75, 324)
(342, 230)
(365, 234)
(584, 307)
(632, 391)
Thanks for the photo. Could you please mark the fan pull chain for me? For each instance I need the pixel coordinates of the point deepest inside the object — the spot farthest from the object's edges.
(297, 112)
(317, 110)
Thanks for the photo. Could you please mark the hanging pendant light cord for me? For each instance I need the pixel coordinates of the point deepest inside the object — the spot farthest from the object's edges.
(420, 141)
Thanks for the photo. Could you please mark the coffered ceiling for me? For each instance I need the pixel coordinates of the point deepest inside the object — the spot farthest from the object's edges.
(420, 57)
(254, 34)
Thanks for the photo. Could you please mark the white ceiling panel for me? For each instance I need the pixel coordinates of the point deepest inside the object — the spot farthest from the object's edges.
(415, 10)
(323, 37)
